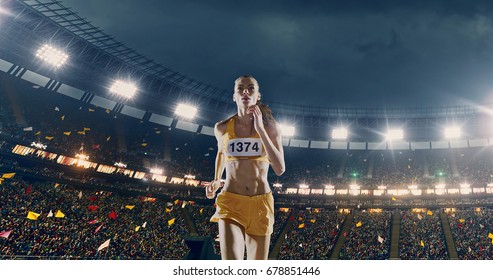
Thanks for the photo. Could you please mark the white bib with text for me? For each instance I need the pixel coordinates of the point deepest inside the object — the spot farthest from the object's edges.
(245, 147)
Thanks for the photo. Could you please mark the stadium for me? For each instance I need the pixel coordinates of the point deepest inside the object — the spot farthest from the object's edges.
(105, 155)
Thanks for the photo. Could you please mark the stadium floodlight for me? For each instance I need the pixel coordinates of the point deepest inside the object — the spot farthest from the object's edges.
(304, 186)
(4, 11)
(440, 186)
(52, 55)
(452, 132)
(156, 171)
(287, 130)
(39, 146)
(382, 187)
(186, 111)
(412, 187)
(416, 192)
(120, 165)
(340, 133)
(189, 176)
(82, 159)
(122, 88)
(82, 156)
(277, 185)
(465, 188)
(395, 134)
(329, 187)
(354, 187)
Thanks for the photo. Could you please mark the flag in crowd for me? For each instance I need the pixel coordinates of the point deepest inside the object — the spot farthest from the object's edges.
(5, 234)
(32, 215)
(59, 214)
(113, 215)
(104, 245)
(28, 190)
(98, 228)
(380, 239)
(8, 175)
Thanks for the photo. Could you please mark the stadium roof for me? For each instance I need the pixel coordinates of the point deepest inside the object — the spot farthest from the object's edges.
(97, 57)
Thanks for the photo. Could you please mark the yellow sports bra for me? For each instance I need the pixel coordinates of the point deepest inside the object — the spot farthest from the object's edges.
(242, 148)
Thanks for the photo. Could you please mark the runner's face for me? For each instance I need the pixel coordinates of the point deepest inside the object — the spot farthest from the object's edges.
(246, 92)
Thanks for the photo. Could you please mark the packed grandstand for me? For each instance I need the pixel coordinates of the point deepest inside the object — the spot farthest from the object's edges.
(86, 175)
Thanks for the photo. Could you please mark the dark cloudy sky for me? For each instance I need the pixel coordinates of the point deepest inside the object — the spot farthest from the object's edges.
(328, 53)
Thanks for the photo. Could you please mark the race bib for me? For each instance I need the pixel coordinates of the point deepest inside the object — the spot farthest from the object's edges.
(245, 147)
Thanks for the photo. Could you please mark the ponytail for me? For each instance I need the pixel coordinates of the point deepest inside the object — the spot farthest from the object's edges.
(267, 116)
